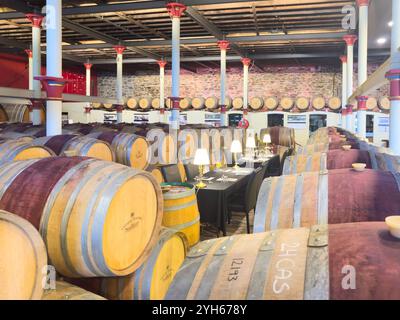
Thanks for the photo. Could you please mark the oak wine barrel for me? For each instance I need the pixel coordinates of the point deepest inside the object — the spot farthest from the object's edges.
(22, 149)
(66, 291)
(3, 115)
(155, 103)
(96, 105)
(185, 103)
(227, 102)
(318, 103)
(23, 258)
(157, 174)
(152, 280)
(384, 103)
(294, 264)
(372, 103)
(237, 103)
(132, 103)
(20, 113)
(311, 148)
(287, 103)
(211, 103)
(77, 146)
(334, 103)
(281, 136)
(96, 218)
(181, 211)
(271, 103)
(108, 106)
(198, 103)
(386, 162)
(302, 103)
(256, 103)
(337, 196)
(129, 149)
(145, 103)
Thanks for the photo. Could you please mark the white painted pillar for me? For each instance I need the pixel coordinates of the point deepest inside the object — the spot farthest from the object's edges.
(246, 64)
(175, 10)
(54, 63)
(362, 64)
(223, 46)
(30, 79)
(120, 50)
(394, 76)
(87, 109)
(162, 64)
(350, 40)
(36, 21)
(344, 91)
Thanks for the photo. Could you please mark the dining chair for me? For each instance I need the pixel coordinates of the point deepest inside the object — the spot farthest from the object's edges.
(192, 171)
(171, 173)
(245, 202)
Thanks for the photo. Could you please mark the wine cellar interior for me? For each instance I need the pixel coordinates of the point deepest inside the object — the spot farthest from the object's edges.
(200, 150)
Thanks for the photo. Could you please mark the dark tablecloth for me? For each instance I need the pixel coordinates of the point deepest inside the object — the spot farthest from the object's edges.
(213, 200)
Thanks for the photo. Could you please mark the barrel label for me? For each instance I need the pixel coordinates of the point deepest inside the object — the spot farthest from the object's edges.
(287, 269)
(132, 223)
(235, 269)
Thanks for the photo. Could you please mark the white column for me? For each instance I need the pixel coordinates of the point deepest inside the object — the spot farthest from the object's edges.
(30, 78)
(54, 62)
(120, 50)
(246, 63)
(162, 64)
(175, 10)
(350, 40)
(362, 63)
(223, 46)
(87, 109)
(344, 91)
(36, 21)
(394, 77)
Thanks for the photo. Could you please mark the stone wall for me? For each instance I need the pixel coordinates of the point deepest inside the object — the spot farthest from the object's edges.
(307, 81)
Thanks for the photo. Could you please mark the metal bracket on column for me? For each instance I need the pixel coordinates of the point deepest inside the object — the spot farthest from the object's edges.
(35, 19)
(87, 110)
(176, 9)
(53, 86)
(119, 108)
(175, 101)
(29, 53)
(394, 77)
(362, 103)
(349, 109)
(223, 108)
(35, 104)
(162, 63)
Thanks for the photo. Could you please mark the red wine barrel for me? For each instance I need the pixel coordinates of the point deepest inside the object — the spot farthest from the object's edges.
(281, 136)
(340, 196)
(294, 264)
(129, 149)
(334, 159)
(97, 218)
(77, 146)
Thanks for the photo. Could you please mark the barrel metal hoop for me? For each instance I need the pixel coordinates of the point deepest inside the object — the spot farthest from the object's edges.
(396, 176)
(269, 241)
(389, 162)
(227, 245)
(202, 248)
(182, 226)
(276, 201)
(261, 207)
(298, 199)
(99, 214)
(175, 196)
(180, 207)
(65, 221)
(323, 197)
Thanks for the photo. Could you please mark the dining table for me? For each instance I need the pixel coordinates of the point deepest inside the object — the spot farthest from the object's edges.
(212, 200)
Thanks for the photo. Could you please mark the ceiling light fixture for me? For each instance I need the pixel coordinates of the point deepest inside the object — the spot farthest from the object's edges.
(390, 24)
(381, 41)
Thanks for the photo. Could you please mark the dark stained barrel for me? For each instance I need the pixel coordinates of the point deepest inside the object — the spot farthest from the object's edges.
(97, 218)
(77, 146)
(294, 264)
(337, 196)
(281, 136)
(334, 159)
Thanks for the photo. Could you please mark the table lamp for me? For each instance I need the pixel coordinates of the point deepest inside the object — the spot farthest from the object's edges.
(251, 144)
(236, 148)
(201, 159)
(267, 140)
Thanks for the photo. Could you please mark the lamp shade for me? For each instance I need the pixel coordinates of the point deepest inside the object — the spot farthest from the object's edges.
(251, 142)
(201, 157)
(236, 146)
(267, 139)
